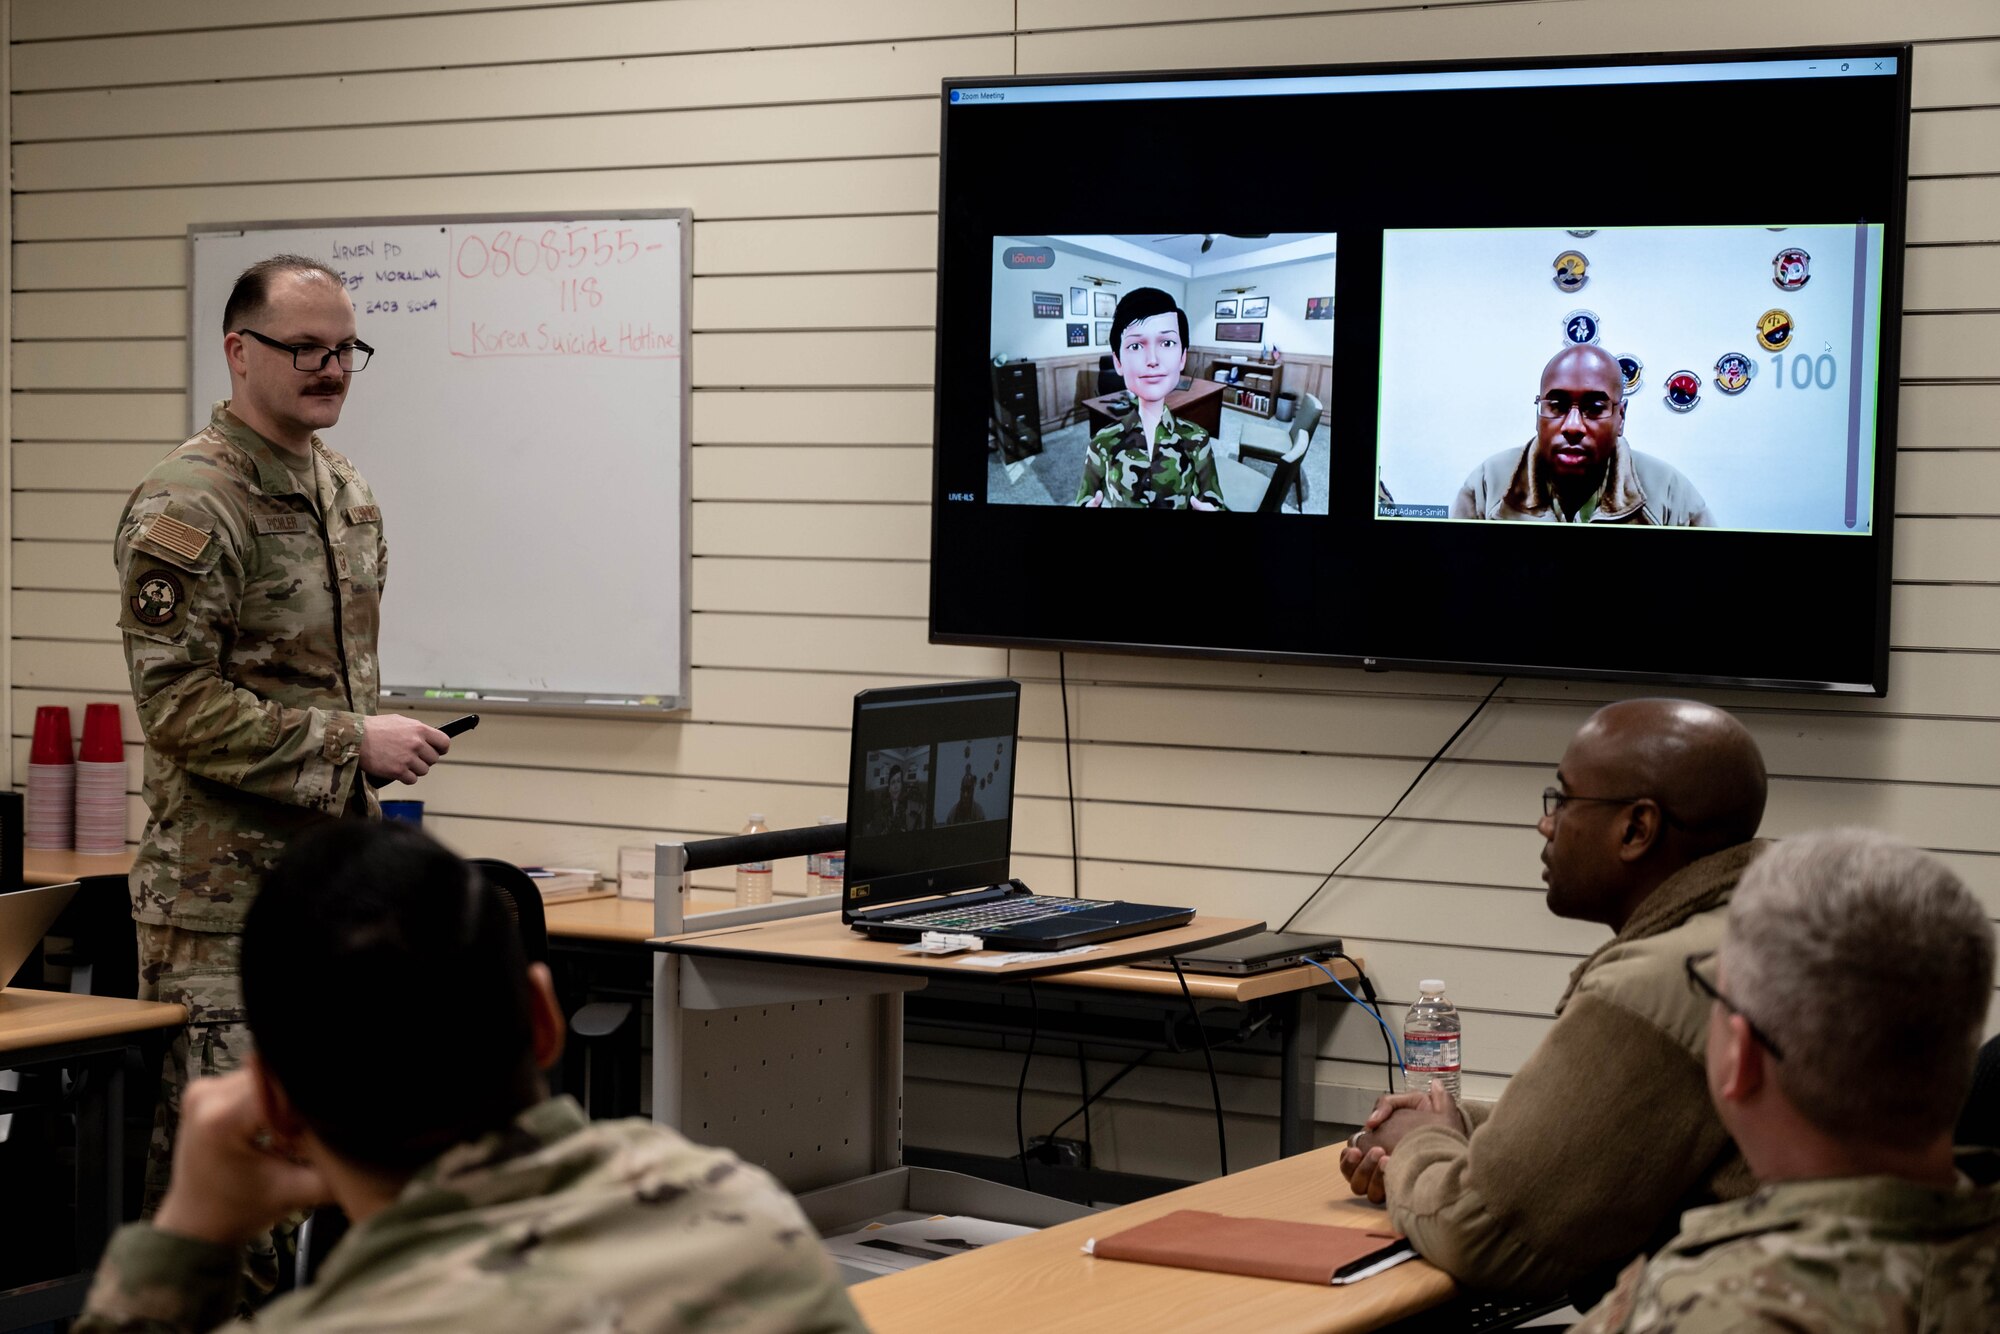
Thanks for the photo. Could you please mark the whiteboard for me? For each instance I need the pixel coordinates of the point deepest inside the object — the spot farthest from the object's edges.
(524, 425)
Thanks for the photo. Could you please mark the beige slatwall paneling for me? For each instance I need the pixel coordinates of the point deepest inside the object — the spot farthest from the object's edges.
(810, 163)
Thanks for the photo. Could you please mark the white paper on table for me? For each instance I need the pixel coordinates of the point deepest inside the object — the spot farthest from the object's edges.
(993, 959)
(888, 1248)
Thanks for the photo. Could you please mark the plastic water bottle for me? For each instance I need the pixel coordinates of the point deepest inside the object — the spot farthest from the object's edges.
(822, 877)
(833, 869)
(1430, 1040)
(753, 879)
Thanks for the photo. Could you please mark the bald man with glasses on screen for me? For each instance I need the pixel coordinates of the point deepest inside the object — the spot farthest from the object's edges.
(251, 563)
(1606, 1134)
(1579, 468)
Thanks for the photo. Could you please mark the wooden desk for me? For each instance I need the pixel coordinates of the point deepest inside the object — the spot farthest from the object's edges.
(35, 1019)
(90, 1036)
(41, 867)
(1200, 403)
(627, 921)
(823, 941)
(782, 1038)
(1044, 1282)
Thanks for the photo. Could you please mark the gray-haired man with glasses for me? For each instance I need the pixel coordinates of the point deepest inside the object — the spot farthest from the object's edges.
(251, 563)
(1606, 1133)
(1844, 1010)
(1579, 468)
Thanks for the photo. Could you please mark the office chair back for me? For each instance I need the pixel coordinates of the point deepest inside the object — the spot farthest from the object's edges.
(524, 903)
(103, 953)
(13, 840)
(1979, 1123)
(1109, 381)
(1306, 419)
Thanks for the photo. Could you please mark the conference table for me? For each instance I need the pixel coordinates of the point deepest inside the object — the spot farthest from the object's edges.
(39, 866)
(90, 1037)
(1044, 1282)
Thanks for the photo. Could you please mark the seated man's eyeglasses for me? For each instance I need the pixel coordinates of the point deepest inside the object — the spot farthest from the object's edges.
(1694, 963)
(1594, 407)
(352, 356)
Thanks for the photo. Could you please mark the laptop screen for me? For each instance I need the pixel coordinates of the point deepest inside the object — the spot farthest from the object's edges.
(930, 790)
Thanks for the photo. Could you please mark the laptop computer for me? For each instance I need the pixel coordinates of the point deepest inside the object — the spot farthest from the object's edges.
(25, 917)
(930, 824)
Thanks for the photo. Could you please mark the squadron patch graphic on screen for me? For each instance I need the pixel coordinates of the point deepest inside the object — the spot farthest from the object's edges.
(1580, 327)
(1633, 369)
(1572, 271)
(1733, 372)
(1791, 269)
(1774, 330)
(1683, 391)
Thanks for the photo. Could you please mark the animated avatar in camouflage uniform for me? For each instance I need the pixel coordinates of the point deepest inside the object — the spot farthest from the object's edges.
(251, 574)
(479, 1203)
(1839, 1065)
(1150, 459)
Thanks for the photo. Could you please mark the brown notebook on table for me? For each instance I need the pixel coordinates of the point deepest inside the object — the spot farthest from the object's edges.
(1260, 1247)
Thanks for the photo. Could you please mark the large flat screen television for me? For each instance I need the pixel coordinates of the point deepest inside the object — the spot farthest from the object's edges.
(1572, 367)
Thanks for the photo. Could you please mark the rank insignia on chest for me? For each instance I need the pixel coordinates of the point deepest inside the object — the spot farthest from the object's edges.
(157, 597)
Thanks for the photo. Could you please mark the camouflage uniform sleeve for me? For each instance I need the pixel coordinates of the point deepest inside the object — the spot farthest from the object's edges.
(181, 583)
(153, 1282)
(1093, 473)
(1208, 485)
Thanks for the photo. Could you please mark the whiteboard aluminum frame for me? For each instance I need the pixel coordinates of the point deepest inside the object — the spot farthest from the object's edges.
(570, 702)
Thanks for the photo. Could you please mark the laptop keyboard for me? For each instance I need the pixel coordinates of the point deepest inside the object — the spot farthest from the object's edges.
(1001, 912)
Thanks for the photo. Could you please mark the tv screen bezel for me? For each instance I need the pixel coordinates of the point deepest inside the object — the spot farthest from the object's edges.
(1888, 386)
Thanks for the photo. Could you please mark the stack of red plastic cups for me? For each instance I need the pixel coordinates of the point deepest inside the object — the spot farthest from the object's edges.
(51, 781)
(100, 782)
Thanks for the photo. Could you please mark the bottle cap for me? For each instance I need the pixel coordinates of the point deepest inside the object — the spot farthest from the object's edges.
(829, 819)
(1430, 986)
(756, 818)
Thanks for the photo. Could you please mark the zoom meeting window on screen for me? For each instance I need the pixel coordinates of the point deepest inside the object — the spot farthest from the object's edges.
(1685, 377)
(1434, 362)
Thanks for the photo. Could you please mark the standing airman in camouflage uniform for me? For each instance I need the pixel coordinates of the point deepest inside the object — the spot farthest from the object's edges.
(1847, 1003)
(251, 563)
(1150, 459)
(479, 1202)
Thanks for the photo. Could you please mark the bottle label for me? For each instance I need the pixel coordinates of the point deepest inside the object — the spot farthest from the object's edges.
(834, 866)
(755, 868)
(1430, 1053)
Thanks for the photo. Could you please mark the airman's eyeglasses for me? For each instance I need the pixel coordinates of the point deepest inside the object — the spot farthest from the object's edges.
(351, 356)
(1557, 406)
(1554, 799)
(1703, 987)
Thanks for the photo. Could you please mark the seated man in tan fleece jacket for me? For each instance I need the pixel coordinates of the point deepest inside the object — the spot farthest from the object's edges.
(1606, 1134)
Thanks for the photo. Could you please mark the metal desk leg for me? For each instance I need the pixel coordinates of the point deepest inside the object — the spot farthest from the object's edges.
(1298, 1012)
(100, 1156)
